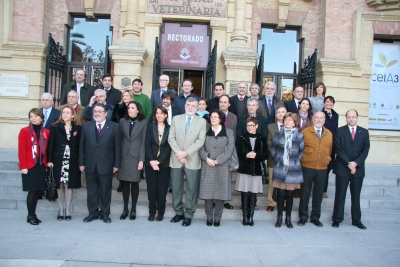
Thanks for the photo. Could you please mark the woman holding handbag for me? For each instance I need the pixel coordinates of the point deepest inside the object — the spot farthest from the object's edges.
(63, 158)
(215, 180)
(32, 156)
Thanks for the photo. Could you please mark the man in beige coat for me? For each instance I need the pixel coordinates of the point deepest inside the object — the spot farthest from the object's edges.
(186, 136)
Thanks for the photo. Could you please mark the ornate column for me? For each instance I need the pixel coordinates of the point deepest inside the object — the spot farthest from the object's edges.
(131, 29)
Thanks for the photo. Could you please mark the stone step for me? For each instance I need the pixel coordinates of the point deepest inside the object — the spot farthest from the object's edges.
(9, 165)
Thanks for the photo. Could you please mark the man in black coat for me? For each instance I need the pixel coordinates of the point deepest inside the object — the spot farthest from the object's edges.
(219, 90)
(50, 113)
(155, 98)
(180, 100)
(239, 101)
(99, 157)
(100, 97)
(113, 95)
(351, 147)
(293, 105)
(85, 90)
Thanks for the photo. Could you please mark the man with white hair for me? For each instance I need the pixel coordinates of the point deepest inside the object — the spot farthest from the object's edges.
(100, 96)
(314, 163)
(50, 114)
(73, 101)
(155, 98)
(269, 103)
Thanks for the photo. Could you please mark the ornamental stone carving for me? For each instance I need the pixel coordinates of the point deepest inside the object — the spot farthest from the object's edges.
(384, 5)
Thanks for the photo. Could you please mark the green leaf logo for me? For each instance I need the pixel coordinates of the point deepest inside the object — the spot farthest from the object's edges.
(382, 59)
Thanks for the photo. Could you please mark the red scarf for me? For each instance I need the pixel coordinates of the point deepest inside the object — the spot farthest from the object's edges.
(42, 144)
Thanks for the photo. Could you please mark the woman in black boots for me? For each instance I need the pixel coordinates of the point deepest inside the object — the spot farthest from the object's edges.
(32, 156)
(252, 149)
(286, 149)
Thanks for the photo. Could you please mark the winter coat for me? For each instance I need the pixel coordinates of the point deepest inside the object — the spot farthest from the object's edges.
(247, 165)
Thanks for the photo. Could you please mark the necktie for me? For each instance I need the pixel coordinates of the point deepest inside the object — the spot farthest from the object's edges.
(226, 121)
(319, 134)
(269, 107)
(162, 92)
(107, 91)
(297, 104)
(353, 134)
(45, 117)
(241, 98)
(281, 127)
(187, 125)
(99, 127)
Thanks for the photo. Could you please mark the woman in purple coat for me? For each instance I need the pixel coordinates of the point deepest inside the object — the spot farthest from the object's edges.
(331, 123)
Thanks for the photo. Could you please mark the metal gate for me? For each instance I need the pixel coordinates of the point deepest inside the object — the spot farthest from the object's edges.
(308, 74)
(210, 73)
(55, 65)
(156, 65)
(260, 71)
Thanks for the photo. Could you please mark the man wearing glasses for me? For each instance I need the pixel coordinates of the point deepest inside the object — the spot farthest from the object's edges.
(351, 146)
(155, 98)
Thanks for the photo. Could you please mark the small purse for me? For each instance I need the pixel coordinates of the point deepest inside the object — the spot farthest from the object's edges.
(233, 161)
(275, 195)
(50, 193)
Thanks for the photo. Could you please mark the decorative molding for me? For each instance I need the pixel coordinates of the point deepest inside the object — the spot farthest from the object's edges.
(89, 8)
(218, 22)
(384, 5)
(283, 10)
(157, 19)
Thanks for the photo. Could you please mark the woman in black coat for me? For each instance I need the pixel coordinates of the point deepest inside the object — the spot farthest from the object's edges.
(121, 107)
(331, 123)
(252, 149)
(63, 157)
(156, 163)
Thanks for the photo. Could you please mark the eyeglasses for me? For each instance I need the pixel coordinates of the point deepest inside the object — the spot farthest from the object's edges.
(250, 125)
(98, 111)
(214, 117)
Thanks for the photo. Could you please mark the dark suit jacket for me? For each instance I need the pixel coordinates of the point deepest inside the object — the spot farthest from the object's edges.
(262, 108)
(175, 111)
(155, 97)
(53, 116)
(57, 142)
(348, 150)
(262, 125)
(111, 116)
(291, 106)
(103, 152)
(233, 106)
(213, 103)
(152, 145)
(181, 100)
(86, 93)
(113, 96)
(232, 123)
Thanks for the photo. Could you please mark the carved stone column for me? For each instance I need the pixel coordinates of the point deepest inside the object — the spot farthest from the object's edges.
(132, 28)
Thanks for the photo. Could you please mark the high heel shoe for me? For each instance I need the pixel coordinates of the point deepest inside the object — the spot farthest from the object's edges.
(133, 215)
(37, 219)
(124, 215)
(32, 220)
(60, 217)
(67, 218)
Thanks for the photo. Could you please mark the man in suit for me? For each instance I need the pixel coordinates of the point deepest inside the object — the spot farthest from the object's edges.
(50, 114)
(268, 103)
(239, 101)
(143, 99)
(113, 95)
(85, 90)
(186, 136)
(255, 90)
(72, 101)
(219, 90)
(155, 98)
(293, 105)
(99, 158)
(314, 163)
(100, 96)
(168, 100)
(252, 106)
(180, 100)
(351, 146)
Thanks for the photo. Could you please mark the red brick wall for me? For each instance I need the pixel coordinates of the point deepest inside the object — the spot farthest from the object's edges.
(386, 27)
(28, 20)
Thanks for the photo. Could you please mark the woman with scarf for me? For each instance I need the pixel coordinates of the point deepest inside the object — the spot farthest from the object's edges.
(202, 108)
(32, 156)
(63, 156)
(287, 149)
(305, 114)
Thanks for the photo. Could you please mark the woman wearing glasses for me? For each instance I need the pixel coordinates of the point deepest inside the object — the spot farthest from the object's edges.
(252, 149)
(287, 149)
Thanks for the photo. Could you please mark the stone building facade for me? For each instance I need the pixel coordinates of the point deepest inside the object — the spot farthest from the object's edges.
(342, 31)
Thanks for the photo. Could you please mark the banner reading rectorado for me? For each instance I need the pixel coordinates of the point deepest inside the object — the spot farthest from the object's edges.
(384, 104)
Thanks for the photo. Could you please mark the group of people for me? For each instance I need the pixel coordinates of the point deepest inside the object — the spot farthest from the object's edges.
(177, 138)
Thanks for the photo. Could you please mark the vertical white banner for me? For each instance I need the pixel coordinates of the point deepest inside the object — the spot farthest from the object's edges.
(384, 103)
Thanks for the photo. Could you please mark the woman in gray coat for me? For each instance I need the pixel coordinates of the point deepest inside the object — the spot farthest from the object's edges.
(215, 181)
(133, 129)
(287, 149)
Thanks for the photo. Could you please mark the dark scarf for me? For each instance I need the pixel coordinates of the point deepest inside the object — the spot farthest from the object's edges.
(41, 140)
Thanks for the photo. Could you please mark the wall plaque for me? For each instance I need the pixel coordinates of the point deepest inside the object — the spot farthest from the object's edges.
(14, 85)
(233, 88)
(126, 83)
(205, 8)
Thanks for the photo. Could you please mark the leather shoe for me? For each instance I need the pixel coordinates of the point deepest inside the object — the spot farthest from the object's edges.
(151, 217)
(160, 217)
(187, 222)
(360, 225)
(90, 218)
(209, 222)
(335, 225)
(317, 223)
(132, 216)
(37, 219)
(106, 219)
(217, 223)
(302, 222)
(270, 208)
(32, 220)
(177, 218)
(124, 215)
(68, 218)
(228, 206)
(119, 189)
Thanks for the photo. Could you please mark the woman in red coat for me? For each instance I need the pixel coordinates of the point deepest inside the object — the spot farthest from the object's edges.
(32, 155)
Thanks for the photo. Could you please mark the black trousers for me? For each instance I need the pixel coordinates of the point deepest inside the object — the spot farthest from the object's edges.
(157, 188)
(98, 188)
(318, 178)
(341, 183)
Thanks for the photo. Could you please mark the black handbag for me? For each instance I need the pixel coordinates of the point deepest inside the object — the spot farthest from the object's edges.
(275, 195)
(50, 193)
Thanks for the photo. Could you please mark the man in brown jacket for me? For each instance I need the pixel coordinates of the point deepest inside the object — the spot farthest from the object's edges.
(315, 160)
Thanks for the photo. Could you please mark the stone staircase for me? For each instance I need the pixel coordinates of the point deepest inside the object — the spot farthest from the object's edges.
(380, 197)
